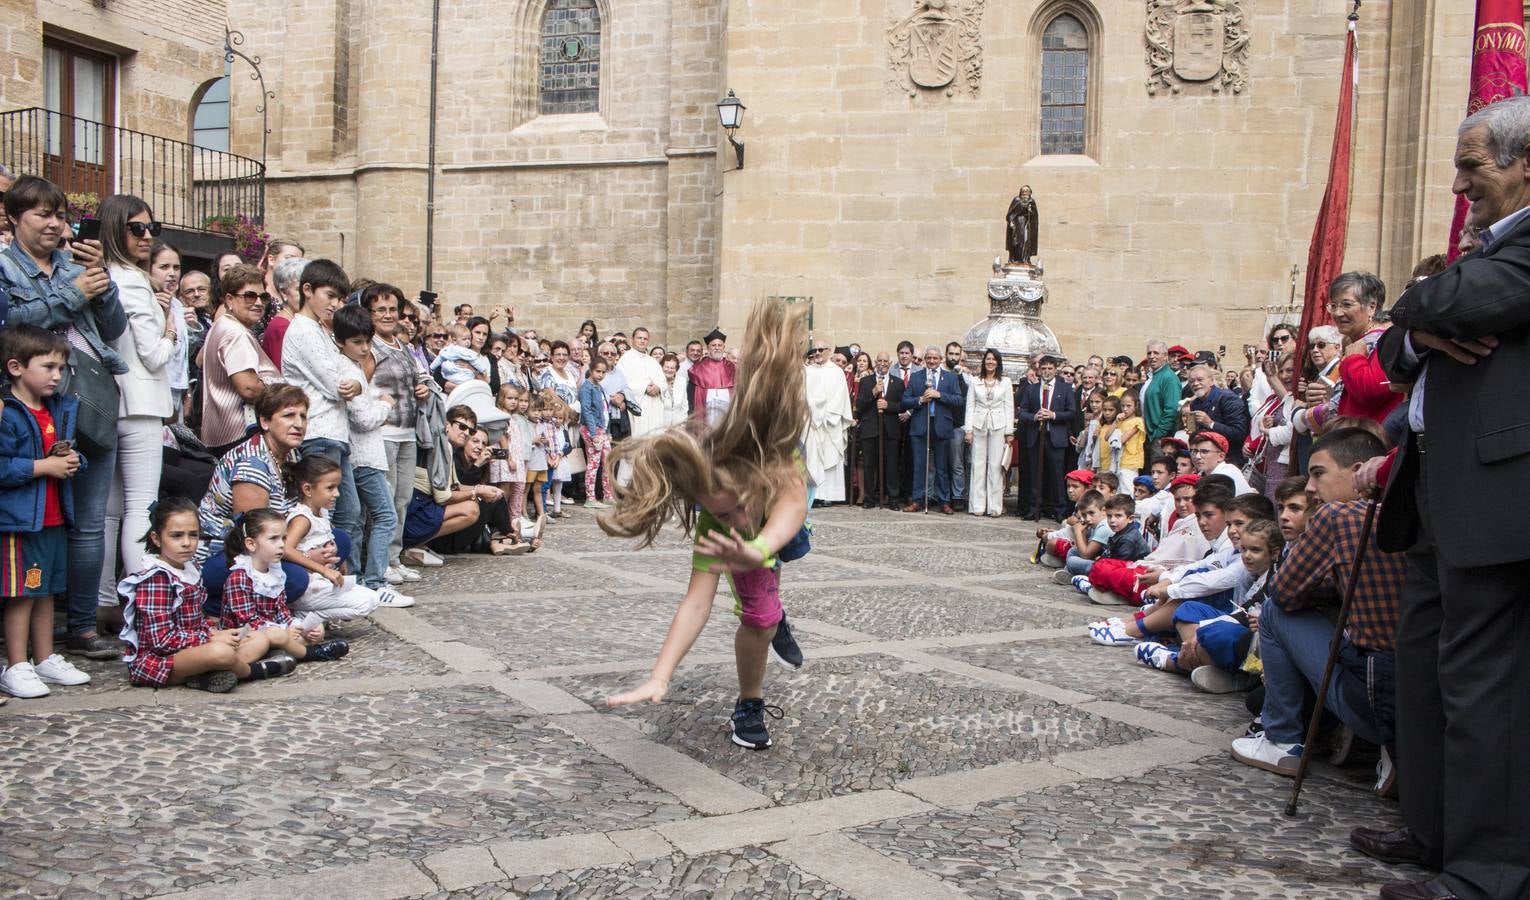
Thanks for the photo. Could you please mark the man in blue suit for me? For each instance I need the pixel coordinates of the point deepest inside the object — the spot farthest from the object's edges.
(1044, 414)
(933, 396)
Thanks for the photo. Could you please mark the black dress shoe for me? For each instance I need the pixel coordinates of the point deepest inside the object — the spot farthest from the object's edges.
(1396, 846)
(1432, 889)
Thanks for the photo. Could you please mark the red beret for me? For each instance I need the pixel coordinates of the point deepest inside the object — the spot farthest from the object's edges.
(1178, 351)
(1184, 479)
(1211, 436)
(1174, 441)
(1082, 476)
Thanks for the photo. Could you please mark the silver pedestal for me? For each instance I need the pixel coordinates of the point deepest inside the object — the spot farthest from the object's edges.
(1014, 326)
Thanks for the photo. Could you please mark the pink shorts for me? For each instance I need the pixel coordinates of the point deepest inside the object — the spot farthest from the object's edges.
(757, 597)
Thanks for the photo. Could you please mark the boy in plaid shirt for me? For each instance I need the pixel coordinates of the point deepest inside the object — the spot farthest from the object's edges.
(1294, 633)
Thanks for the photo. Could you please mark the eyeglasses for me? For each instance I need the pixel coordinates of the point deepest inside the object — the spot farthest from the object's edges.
(1321, 345)
(1346, 306)
(140, 229)
(1200, 451)
(463, 425)
(249, 296)
(1282, 339)
(437, 334)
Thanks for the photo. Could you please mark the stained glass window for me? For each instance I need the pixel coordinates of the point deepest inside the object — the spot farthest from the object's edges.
(570, 68)
(1064, 85)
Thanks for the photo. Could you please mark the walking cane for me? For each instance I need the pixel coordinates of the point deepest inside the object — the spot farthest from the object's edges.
(1333, 654)
(881, 459)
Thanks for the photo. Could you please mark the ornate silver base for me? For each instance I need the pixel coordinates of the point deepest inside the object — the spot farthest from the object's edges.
(1014, 326)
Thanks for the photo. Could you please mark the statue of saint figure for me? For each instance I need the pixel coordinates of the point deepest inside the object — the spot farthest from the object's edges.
(1020, 238)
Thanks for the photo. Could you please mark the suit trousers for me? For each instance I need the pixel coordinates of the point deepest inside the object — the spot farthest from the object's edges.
(892, 455)
(985, 490)
(1463, 711)
(1044, 483)
(956, 459)
(938, 475)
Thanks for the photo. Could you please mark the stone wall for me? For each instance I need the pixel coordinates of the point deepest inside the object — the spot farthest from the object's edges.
(1184, 218)
(608, 214)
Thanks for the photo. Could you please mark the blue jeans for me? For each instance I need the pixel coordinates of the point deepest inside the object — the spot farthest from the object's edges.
(377, 504)
(92, 487)
(347, 512)
(1076, 564)
(1294, 648)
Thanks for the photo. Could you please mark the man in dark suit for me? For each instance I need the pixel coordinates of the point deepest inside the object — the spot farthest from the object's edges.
(933, 396)
(1220, 410)
(904, 369)
(1044, 414)
(1462, 339)
(879, 399)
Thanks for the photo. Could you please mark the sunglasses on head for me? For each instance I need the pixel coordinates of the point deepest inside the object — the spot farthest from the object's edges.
(141, 229)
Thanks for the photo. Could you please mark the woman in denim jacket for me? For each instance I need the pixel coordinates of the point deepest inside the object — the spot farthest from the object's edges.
(68, 293)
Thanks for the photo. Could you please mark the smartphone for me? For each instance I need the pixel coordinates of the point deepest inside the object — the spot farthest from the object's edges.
(1248, 350)
(1221, 350)
(88, 230)
(1275, 355)
(428, 299)
(499, 453)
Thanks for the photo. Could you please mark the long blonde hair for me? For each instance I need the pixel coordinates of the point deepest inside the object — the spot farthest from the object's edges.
(752, 451)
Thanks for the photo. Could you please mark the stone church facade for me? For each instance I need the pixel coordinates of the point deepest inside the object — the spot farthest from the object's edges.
(1177, 149)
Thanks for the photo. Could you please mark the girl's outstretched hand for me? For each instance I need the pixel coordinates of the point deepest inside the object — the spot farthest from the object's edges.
(732, 552)
(652, 691)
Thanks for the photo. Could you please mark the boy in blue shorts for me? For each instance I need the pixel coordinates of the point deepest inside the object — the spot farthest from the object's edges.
(37, 459)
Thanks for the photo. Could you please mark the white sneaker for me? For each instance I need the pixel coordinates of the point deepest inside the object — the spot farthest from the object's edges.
(57, 670)
(1216, 680)
(1110, 634)
(1262, 753)
(408, 573)
(393, 599)
(21, 681)
(393, 575)
(432, 558)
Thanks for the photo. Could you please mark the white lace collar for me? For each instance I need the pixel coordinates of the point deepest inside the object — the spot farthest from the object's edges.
(270, 583)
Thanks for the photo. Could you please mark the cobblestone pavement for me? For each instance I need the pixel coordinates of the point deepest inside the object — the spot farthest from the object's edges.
(952, 734)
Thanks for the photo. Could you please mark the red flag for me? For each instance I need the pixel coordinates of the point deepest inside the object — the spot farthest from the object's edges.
(1498, 71)
(1325, 255)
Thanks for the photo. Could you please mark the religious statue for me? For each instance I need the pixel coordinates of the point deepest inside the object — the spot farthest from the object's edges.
(1020, 237)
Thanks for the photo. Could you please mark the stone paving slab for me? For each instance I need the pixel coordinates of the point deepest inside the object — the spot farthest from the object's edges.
(1111, 673)
(503, 575)
(1211, 829)
(911, 611)
(537, 633)
(750, 872)
(856, 724)
(250, 789)
(927, 561)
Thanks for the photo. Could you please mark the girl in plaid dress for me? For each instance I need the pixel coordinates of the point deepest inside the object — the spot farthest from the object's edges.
(255, 594)
(167, 637)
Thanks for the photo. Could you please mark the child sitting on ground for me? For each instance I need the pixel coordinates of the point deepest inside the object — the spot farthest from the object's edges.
(1156, 511)
(1054, 545)
(255, 594)
(1219, 582)
(315, 481)
(458, 363)
(167, 636)
(37, 461)
(1107, 483)
(1126, 542)
(1087, 536)
(1113, 581)
(1218, 649)
(1142, 488)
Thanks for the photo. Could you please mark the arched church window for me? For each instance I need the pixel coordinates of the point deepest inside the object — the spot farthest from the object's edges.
(1064, 85)
(569, 79)
(209, 117)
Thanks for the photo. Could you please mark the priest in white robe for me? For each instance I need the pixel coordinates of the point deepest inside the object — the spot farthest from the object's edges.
(829, 421)
(645, 384)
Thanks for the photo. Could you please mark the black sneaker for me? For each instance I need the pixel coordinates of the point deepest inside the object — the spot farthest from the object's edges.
(749, 722)
(327, 651)
(273, 665)
(213, 682)
(784, 646)
(94, 647)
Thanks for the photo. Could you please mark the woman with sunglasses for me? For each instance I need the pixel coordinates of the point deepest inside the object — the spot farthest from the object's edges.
(235, 369)
(148, 346)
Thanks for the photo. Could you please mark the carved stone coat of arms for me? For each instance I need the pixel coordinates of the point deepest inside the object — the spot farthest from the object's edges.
(937, 46)
(1196, 43)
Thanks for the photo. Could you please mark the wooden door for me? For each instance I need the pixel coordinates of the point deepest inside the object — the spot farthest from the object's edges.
(79, 89)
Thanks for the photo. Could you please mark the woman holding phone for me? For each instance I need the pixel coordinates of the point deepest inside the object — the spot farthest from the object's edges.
(149, 345)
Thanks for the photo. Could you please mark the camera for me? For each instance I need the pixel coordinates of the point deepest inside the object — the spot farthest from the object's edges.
(428, 299)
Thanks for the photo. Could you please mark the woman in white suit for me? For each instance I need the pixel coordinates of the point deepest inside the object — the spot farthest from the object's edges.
(673, 392)
(990, 422)
(148, 345)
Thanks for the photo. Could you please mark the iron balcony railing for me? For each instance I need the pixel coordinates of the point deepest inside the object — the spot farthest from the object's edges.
(188, 187)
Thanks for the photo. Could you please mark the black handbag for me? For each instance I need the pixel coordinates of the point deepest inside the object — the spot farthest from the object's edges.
(87, 378)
